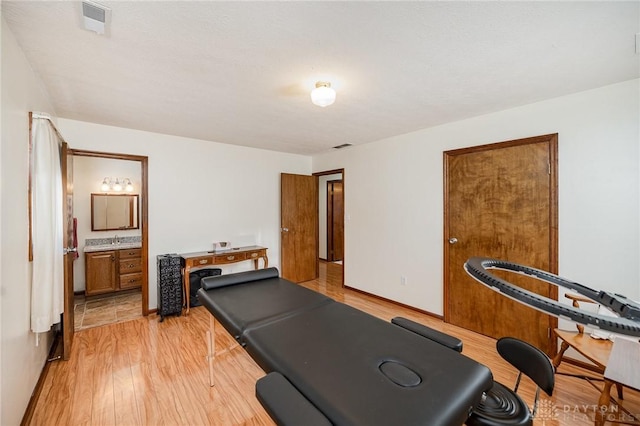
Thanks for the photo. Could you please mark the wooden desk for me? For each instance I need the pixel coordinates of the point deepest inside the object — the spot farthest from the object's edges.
(622, 367)
(210, 258)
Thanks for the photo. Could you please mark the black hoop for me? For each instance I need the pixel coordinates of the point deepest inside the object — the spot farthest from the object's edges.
(628, 323)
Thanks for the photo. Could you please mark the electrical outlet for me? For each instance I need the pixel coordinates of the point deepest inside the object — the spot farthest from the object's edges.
(403, 280)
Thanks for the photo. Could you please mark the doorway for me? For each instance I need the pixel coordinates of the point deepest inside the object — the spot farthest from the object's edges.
(331, 217)
(335, 221)
(501, 202)
(300, 210)
(126, 304)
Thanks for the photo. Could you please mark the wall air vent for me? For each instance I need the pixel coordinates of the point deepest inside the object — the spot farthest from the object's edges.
(344, 145)
(95, 17)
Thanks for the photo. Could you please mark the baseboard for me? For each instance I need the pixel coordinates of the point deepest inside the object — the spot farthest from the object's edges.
(413, 308)
(31, 406)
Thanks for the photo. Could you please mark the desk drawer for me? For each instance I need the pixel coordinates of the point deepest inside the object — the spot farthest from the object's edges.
(256, 254)
(230, 257)
(130, 265)
(130, 280)
(200, 261)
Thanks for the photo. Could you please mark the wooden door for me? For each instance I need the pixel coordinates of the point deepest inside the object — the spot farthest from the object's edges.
(500, 201)
(66, 160)
(335, 221)
(298, 227)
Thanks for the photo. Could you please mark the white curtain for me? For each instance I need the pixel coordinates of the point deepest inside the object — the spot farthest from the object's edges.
(47, 289)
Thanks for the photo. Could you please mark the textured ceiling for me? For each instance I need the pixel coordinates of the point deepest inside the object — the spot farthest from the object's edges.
(241, 72)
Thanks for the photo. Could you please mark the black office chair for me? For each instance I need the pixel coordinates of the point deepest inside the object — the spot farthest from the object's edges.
(502, 406)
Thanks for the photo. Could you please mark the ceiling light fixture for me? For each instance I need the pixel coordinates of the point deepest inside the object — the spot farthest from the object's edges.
(323, 95)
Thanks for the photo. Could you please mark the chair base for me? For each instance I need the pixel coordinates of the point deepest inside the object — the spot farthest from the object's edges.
(500, 406)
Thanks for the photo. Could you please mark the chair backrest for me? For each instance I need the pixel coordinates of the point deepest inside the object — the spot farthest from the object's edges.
(529, 360)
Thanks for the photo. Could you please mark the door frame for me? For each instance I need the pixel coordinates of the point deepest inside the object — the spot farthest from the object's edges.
(144, 210)
(331, 172)
(552, 139)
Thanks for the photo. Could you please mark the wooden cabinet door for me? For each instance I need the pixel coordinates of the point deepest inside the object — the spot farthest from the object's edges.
(100, 270)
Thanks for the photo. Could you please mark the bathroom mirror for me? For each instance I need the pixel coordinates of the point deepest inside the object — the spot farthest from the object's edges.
(111, 212)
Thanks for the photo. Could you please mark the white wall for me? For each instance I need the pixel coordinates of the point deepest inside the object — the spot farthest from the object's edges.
(199, 192)
(394, 203)
(21, 361)
(322, 212)
(88, 173)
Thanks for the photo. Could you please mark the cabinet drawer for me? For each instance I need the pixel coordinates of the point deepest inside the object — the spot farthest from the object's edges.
(130, 265)
(130, 280)
(126, 254)
(230, 257)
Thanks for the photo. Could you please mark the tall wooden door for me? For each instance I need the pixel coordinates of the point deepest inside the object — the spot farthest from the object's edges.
(70, 250)
(335, 221)
(501, 202)
(298, 227)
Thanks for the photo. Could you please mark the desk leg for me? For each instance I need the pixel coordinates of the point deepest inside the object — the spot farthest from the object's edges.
(256, 262)
(603, 403)
(186, 285)
(211, 347)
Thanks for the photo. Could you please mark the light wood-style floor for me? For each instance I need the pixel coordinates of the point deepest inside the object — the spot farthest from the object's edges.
(143, 372)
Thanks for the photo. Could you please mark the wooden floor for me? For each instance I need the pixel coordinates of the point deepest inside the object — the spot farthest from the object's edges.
(143, 372)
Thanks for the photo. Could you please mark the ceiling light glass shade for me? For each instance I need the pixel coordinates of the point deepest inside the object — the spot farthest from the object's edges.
(323, 95)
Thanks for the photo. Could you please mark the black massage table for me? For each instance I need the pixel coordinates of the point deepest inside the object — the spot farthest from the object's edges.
(329, 363)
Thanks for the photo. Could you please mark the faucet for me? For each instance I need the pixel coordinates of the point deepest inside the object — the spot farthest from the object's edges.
(116, 239)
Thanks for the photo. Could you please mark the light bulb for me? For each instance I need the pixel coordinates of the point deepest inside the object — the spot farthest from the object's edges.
(105, 185)
(117, 186)
(129, 185)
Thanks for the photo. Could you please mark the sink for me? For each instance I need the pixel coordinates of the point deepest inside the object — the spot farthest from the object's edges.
(104, 247)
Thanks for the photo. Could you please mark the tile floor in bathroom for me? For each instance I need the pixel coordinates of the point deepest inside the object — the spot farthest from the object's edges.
(101, 310)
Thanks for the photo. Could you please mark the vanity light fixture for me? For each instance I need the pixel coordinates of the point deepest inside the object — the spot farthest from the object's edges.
(117, 184)
(106, 185)
(128, 185)
(323, 95)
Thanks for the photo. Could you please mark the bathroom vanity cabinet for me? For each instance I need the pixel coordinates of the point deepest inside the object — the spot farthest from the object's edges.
(109, 271)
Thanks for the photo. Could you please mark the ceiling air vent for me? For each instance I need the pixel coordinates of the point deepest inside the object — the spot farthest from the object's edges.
(95, 17)
(344, 145)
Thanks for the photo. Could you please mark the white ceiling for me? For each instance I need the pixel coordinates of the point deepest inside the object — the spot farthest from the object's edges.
(241, 72)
